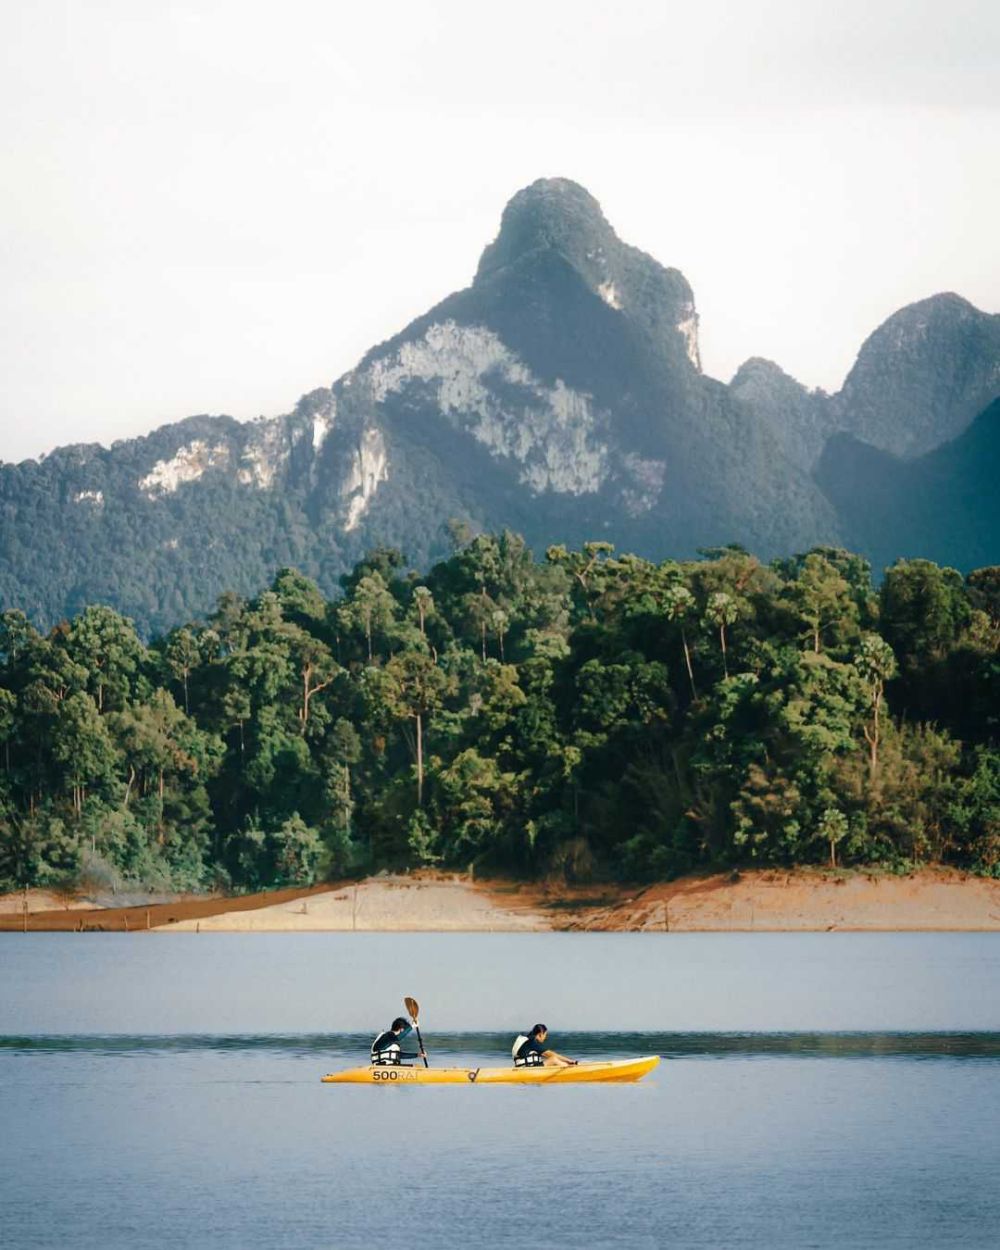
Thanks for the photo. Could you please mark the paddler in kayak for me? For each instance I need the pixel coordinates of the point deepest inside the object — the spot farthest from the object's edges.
(386, 1047)
(529, 1050)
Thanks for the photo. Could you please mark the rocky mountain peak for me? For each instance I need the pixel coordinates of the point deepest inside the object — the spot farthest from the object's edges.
(797, 416)
(924, 322)
(551, 213)
(556, 216)
(758, 371)
(923, 375)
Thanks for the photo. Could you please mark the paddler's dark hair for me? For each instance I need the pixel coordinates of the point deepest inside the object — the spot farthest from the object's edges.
(539, 1028)
(400, 1022)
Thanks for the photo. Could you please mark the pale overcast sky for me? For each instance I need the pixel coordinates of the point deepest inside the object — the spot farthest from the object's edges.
(217, 206)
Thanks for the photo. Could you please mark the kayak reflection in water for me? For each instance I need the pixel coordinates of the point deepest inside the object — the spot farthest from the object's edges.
(386, 1047)
(529, 1050)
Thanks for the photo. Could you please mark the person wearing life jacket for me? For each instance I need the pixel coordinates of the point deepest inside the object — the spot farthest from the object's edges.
(529, 1050)
(386, 1047)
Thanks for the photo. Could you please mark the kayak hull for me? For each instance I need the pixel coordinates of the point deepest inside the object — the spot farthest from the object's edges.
(608, 1070)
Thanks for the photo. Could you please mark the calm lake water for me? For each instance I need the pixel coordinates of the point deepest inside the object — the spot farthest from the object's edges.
(818, 1090)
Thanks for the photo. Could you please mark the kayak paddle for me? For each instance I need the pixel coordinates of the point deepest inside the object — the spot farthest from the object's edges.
(413, 1007)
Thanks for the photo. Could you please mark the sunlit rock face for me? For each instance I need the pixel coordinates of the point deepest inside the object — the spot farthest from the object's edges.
(561, 394)
(265, 454)
(187, 464)
(552, 433)
(253, 454)
(367, 469)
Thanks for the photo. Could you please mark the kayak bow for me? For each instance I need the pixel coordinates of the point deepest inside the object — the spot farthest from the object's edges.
(600, 1070)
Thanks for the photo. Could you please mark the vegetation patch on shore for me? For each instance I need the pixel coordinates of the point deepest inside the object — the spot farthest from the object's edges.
(588, 715)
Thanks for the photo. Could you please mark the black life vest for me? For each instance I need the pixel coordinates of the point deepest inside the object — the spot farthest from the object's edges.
(524, 1058)
(385, 1048)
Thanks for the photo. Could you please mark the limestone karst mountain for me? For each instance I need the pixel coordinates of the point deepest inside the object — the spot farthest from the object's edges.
(561, 395)
(923, 376)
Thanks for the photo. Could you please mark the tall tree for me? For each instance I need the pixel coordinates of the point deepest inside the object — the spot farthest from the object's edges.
(679, 605)
(821, 599)
(876, 663)
(369, 609)
(415, 687)
(108, 648)
(720, 611)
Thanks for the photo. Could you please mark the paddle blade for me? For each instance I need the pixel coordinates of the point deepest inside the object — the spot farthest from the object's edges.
(413, 1007)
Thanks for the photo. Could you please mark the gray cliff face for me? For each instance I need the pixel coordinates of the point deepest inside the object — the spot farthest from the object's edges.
(560, 395)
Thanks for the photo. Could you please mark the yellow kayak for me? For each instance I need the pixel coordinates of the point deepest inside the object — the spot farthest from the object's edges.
(600, 1070)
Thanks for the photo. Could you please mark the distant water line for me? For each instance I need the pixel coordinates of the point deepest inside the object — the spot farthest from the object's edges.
(806, 1045)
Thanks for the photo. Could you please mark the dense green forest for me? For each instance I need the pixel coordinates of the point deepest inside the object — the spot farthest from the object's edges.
(586, 714)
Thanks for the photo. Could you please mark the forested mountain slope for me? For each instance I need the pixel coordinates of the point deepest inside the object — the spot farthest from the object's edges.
(944, 505)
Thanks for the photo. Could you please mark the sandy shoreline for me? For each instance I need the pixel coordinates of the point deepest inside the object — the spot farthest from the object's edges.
(934, 899)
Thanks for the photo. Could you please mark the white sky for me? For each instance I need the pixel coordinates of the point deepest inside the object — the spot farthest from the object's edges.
(217, 206)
